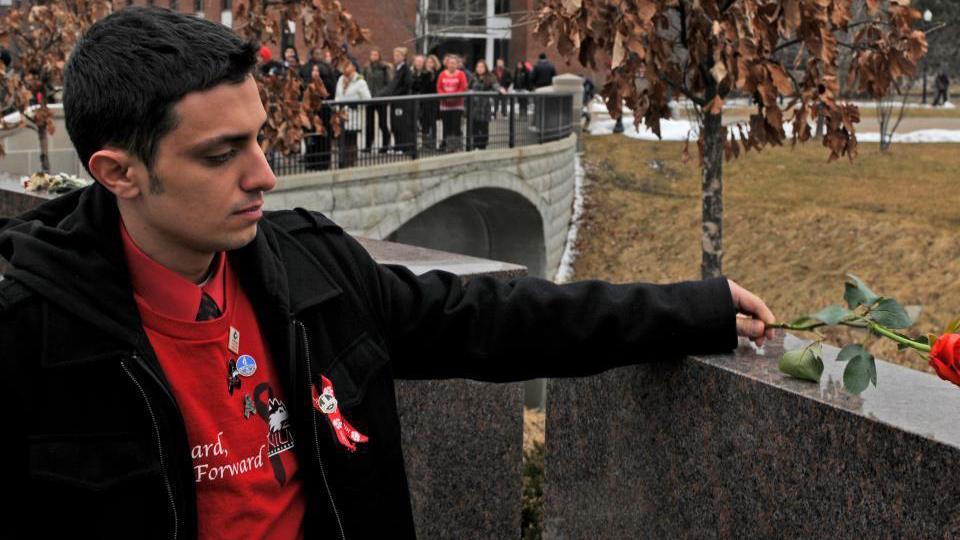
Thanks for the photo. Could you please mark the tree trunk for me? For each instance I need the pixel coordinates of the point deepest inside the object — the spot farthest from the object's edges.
(712, 241)
(44, 149)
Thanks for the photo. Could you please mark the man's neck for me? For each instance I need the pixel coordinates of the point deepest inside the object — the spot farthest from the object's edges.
(191, 264)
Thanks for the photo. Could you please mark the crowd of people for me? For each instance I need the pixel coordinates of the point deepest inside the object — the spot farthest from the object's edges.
(394, 127)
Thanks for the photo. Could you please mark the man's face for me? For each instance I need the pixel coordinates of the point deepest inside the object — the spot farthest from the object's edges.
(374, 56)
(211, 173)
(289, 55)
(316, 55)
(397, 57)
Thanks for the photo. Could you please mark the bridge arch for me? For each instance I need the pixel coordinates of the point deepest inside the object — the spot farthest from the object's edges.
(493, 223)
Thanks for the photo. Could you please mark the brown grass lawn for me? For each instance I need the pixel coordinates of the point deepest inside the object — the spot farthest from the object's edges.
(794, 224)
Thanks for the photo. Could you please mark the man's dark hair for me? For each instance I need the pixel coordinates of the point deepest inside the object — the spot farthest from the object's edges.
(543, 56)
(129, 69)
(6, 57)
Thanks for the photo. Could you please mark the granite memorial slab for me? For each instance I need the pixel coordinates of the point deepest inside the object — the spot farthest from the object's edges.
(727, 446)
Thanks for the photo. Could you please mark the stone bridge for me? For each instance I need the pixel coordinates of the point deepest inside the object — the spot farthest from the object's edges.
(510, 204)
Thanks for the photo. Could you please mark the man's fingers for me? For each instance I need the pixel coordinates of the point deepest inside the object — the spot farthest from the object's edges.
(751, 328)
(750, 304)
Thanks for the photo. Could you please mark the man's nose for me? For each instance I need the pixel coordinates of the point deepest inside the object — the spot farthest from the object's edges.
(260, 177)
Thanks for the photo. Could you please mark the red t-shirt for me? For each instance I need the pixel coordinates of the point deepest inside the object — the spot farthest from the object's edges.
(247, 478)
(451, 84)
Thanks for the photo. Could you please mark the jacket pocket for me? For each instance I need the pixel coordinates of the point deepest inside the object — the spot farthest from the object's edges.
(105, 485)
(352, 371)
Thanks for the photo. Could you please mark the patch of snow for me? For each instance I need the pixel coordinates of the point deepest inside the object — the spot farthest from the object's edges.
(565, 271)
(680, 130)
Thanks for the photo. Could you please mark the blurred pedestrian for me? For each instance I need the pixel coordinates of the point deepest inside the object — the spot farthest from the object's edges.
(317, 146)
(522, 83)
(401, 124)
(482, 107)
(425, 82)
(543, 72)
(378, 74)
(504, 79)
(350, 87)
(451, 80)
(268, 66)
(942, 85)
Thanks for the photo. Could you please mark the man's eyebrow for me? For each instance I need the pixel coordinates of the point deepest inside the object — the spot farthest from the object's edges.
(220, 140)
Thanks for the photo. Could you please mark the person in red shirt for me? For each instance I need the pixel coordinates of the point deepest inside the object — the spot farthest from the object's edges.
(451, 81)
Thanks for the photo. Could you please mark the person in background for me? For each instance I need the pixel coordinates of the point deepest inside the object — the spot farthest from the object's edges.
(378, 75)
(482, 107)
(522, 83)
(291, 60)
(942, 85)
(589, 91)
(317, 146)
(350, 87)
(504, 79)
(268, 66)
(329, 73)
(401, 124)
(462, 66)
(306, 71)
(543, 72)
(425, 82)
(451, 80)
(6, 59)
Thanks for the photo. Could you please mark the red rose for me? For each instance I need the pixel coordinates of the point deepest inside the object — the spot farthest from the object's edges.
(945, 358)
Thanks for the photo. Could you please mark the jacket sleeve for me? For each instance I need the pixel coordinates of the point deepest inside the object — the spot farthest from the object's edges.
(493, 330)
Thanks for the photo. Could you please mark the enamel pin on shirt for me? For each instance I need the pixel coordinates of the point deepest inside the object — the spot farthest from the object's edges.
(233, 376)
(246, 365)
(326, 403)
(234, 343)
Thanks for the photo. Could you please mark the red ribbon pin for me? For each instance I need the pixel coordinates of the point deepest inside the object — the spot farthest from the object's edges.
(326, 403)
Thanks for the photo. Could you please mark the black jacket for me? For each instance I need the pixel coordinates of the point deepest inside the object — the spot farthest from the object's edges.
(95, 446)
(402, 82)
(543, 73)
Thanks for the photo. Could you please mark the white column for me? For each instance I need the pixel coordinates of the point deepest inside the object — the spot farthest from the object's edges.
(491, 10)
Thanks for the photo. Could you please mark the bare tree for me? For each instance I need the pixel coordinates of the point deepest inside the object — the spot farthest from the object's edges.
(706, 50)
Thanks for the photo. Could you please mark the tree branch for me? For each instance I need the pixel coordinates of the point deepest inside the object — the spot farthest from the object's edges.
(683, 90)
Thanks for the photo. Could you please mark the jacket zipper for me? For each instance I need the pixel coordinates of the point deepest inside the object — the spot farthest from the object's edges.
(156, 433)
(316, 436)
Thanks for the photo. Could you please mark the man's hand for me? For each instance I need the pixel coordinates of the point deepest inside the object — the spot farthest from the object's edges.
(753, 315)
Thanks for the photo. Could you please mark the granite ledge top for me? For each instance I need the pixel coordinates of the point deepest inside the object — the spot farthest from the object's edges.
(420, 260)
(906, 399)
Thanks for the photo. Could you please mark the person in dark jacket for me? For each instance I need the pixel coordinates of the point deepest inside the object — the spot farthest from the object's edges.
(401, 125)
(425, 82)
(127, 415)
(482, 107)
(522, 83)
(504, 79)
(378, 75)
(543, 72)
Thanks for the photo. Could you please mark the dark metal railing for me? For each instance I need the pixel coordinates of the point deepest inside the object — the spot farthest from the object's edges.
(396, 129)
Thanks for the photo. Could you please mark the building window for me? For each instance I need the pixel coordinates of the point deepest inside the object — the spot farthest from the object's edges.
(175, 5)
(458, 15)
(198, 6)
(226, 5)
(501, 6)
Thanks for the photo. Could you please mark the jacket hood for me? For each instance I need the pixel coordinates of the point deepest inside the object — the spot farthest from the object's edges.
(69, 251)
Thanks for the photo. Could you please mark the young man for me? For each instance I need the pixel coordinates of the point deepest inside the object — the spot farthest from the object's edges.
(177, 363)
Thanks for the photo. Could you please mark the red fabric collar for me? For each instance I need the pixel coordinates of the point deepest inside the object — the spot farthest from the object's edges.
(167, 292)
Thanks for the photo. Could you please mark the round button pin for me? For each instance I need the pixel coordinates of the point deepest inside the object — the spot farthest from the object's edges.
(246, 365)
(327, 403)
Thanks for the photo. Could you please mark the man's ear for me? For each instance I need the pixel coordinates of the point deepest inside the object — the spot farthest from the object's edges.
(115, 170)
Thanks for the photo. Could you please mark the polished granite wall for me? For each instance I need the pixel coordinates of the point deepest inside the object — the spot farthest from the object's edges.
(727, 446)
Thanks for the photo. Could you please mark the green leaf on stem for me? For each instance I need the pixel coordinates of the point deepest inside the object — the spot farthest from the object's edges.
(803, 364)
(832, 314)
(850, 351)
(888, 312)
(860, 372)
(856, 292)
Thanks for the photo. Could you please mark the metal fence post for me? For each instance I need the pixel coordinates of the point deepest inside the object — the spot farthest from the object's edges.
(511, 127)
(415, 127)
(540, 110)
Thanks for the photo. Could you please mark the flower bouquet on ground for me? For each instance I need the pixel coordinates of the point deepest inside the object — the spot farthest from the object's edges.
(878, 316)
